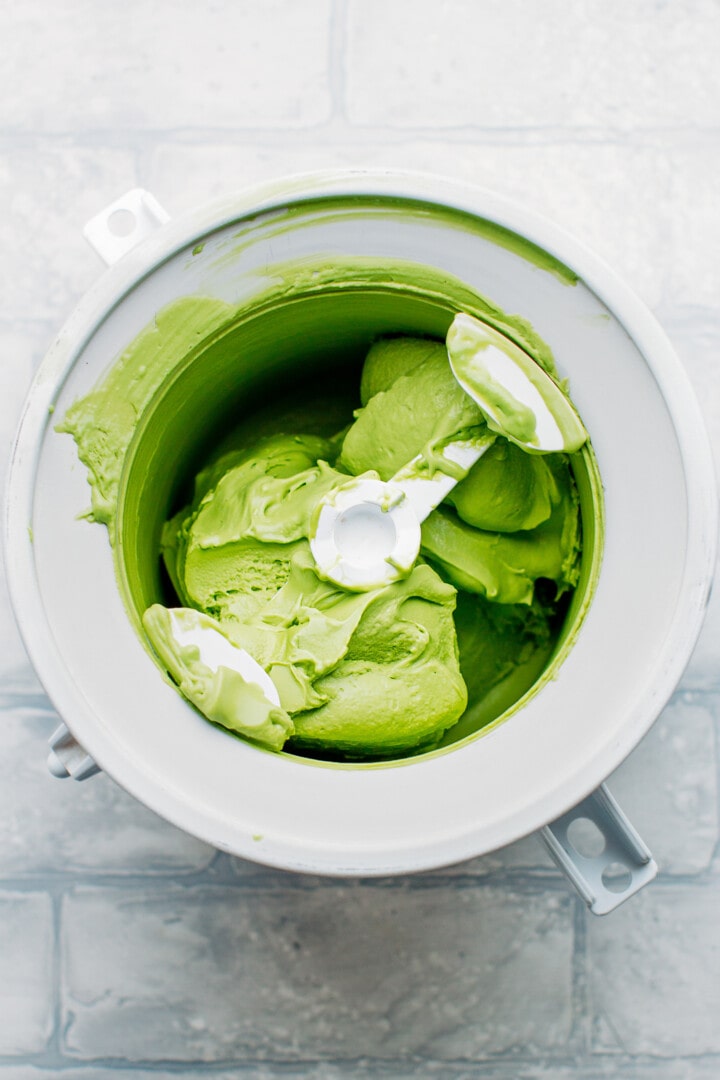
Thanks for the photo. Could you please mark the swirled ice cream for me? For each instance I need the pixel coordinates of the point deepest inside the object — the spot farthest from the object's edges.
(377, 673)
(356, 675)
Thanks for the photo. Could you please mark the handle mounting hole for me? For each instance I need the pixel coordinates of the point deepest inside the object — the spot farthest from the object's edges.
(585, 836)
(616, 877)
(122, 222)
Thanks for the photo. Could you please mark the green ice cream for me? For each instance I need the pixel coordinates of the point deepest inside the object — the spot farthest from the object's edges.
(221, 694)
(416, 406)
(360, 676)
(378, 673)
(365, 674)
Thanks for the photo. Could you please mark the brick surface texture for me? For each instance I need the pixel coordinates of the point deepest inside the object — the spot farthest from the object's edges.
(128, 948)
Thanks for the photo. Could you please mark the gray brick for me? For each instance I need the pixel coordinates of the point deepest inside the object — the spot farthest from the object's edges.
(654, 973)
(336, 972)
(531, 66)
(668, 786)
(26, 972)
(157, 67)
(51, 826)
(50, 194)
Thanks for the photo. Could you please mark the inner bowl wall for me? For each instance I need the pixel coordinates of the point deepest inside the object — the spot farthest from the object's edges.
(300, 347)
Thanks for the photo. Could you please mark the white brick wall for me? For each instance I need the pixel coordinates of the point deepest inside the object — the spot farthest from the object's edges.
(513, 65)
(85, 67)
(48, 193)
(130, 949)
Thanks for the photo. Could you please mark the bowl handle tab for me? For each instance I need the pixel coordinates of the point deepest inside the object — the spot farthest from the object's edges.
(68, 758)
(123, 224)
(598, 849)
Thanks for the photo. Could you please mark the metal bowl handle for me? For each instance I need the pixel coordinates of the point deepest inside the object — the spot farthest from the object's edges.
(123, 224)
(607, 877)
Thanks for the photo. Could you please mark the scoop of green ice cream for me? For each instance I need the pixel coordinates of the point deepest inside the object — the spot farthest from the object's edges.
(389, 358)
(221, 694)
(231, 549)
(398, 687)
(418, 412)
(505, 566)
(370, 675)
(364, 674)
(507, 490)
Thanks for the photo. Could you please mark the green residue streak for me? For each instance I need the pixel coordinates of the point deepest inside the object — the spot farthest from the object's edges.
(337, 208)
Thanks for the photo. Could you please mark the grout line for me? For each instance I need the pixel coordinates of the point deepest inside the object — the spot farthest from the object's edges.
(494, 1066)
(522, 882)
(581, 1032)
(127, 138)
(53, 1046)
(54, 881)
(337, 56)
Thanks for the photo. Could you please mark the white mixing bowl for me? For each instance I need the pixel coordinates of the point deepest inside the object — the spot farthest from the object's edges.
(618, 668)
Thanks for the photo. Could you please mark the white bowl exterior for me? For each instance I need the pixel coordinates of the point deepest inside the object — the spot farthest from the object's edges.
(659, 552)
